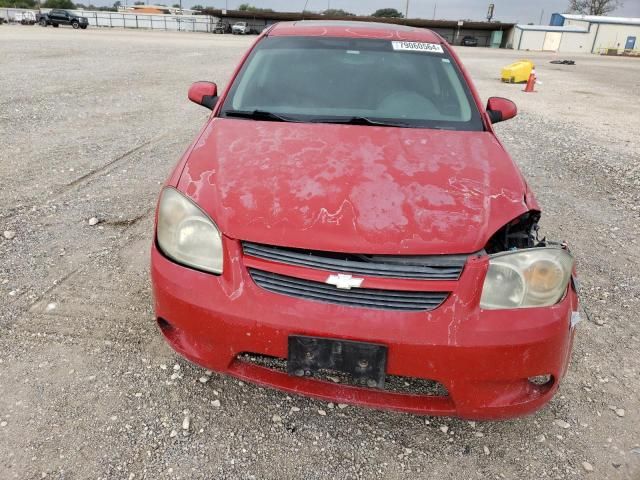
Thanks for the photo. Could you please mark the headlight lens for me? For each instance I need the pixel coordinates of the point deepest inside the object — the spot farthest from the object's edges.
(536, 277)
(186, 234)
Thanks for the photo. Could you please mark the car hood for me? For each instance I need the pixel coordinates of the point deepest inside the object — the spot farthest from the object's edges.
(350, 188)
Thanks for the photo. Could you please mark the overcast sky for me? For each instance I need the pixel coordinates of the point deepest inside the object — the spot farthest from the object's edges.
(523, 11)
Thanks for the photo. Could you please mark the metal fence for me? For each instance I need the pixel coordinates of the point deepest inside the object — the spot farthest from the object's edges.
(178, 23)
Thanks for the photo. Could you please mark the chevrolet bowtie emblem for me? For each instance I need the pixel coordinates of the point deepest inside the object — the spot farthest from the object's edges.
(344, 282)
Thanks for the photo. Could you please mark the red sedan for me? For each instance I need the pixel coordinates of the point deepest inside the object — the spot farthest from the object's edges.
(347, 226)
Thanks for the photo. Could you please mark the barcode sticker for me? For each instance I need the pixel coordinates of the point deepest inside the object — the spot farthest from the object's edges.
(417, 47)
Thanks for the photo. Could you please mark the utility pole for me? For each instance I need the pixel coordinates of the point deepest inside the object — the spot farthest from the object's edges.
(435, 5)
(541, 15)
(406, 10)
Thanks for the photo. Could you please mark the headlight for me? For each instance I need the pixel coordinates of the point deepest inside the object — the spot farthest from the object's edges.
(186, 234)
(536, 277)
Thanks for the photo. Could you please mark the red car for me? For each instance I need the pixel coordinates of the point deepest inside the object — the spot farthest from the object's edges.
(347, 226)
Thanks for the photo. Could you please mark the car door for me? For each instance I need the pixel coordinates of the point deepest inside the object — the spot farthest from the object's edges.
(58, 16)
(61, 17)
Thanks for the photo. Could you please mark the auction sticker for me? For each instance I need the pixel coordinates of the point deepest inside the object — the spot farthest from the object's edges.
(417, 47)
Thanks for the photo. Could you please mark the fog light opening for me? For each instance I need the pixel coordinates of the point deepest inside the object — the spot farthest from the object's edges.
(541, 380)
(165, 326)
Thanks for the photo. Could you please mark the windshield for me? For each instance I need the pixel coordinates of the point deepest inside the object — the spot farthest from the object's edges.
(371, 81)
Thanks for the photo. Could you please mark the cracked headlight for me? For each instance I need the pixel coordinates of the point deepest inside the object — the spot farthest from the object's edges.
(535, 277)
(186, 234)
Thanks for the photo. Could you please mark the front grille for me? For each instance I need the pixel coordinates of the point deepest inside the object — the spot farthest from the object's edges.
(418, 267)
(357, 297)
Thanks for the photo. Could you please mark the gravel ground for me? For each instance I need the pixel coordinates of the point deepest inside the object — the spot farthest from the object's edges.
(91, 124)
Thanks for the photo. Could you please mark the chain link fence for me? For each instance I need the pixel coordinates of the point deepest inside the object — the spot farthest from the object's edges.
(178, 23)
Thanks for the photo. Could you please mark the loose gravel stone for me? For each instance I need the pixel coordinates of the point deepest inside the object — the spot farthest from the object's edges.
(9, 234)
(93, 221)
(562, 424)
(587, 466)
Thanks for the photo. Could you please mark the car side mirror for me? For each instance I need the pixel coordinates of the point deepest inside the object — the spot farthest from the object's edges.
(204, 93)
(500, 109)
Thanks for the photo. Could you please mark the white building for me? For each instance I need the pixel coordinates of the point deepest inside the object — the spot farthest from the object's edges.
(579, 33)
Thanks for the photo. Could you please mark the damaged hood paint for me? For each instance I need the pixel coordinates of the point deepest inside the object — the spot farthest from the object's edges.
(359, 189)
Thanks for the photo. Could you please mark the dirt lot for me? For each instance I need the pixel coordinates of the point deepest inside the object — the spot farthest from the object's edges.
(91, 123)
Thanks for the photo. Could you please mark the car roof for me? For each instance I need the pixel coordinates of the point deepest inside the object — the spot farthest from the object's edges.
(337, 28)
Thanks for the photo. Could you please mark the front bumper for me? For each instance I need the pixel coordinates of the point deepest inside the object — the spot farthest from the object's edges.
(483, 358)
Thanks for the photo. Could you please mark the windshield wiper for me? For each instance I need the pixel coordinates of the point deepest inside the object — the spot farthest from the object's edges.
(274, 117)
(362, 121)
(258, 115)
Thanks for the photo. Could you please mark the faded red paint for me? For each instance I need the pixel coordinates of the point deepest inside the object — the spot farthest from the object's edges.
(358, 188)
(362, 189)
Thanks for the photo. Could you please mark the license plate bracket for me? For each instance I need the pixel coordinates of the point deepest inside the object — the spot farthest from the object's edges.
(365, 362)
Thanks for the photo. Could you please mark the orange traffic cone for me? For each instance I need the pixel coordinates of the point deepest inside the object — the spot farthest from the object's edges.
(531, 83)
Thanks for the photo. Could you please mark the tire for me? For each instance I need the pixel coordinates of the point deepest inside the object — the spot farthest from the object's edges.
(83, 27)
(43, 22)
(75, 25)
(55, 25)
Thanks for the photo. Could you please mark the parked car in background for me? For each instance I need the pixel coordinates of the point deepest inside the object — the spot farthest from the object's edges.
(349, 213)
(241, 28)
(58, 17)
(469, 41)
(221, 27)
